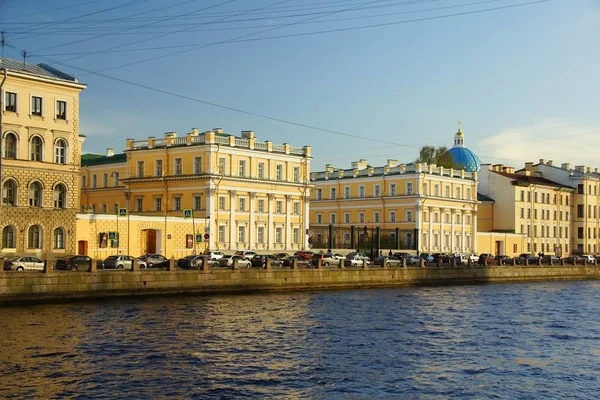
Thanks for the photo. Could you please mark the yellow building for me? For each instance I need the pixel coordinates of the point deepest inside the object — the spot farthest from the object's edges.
(240, 193)
(419, 207)
(41, 148)
(530, 205)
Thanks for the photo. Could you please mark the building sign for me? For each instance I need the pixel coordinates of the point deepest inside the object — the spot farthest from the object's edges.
(187, 213)
(122, 212)
(198, 238)
(189, 241)
(103, 240)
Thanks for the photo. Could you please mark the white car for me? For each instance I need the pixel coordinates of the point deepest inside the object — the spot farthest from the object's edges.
(247, 254)
(227, 261)
(589, 259)
(461, 259)
(23, 264)
(215, 255)
(474, 258)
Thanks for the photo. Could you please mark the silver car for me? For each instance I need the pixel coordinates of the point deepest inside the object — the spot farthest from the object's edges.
(118, 262)
(23, 264)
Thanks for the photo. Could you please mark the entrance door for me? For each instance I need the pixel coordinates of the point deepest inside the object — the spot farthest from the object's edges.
(148, 241)
(82, 248)
(499, 247)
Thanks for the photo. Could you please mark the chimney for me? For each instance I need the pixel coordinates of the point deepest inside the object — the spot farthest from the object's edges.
(580, 168)
(550, 163)
(542, 161)
(565, 166)
(328, 168)
(392, 163)
(528, 166)
(195, 132)
(170, 135)
(248, 134)
(110, 152)
(218, 130)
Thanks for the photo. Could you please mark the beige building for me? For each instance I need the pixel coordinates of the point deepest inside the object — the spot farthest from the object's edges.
(531, 205)
(41, 148)
(419, 207)
(239, 194)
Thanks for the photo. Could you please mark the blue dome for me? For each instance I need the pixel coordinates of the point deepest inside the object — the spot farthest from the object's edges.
(465, 159)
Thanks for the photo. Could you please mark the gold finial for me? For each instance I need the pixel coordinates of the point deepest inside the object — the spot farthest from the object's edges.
(459, 125)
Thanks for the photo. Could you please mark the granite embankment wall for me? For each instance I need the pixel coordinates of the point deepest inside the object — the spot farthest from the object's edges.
(56, 286)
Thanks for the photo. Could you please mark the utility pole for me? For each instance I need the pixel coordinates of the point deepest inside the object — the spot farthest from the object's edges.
(1, 131)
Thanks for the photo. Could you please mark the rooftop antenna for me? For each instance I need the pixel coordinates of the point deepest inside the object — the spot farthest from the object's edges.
(24, 54)
(4, 43)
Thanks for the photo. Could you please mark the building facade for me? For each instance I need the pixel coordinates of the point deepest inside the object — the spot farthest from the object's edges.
(239, 193)
(41, 147)
(412, 206)
(529, 204)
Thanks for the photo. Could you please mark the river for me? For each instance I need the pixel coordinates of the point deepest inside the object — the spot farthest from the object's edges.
(509, 341)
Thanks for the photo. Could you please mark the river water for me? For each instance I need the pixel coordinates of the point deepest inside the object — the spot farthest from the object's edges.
(510, 341)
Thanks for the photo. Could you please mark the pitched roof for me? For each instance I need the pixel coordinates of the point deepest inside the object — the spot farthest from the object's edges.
(531, 179)
(88, 160)
(483, 197)
(42, 70)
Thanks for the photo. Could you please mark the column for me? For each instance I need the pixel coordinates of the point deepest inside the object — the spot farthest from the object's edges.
(452, 242)
(442, 237)
(270, 228)
(288, 236)
(462, 221)
(251, 224)
(211, 216)
(418, 232)
(305, 222)
(474, 231)
(429, 210)
(232, 238)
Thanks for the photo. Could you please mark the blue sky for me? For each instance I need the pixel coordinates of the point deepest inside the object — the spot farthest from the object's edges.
(524, 80)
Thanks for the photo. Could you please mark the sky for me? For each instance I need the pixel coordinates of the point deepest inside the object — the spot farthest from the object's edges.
(521, 75)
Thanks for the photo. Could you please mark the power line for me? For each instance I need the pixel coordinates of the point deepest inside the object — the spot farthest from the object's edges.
(52, 10)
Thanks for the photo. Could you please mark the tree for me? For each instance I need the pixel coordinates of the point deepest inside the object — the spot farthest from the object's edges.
(439, 156)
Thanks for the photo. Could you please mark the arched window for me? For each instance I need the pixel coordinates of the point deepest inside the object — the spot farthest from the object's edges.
(60, 152)
(36, 149)
(9, 193)
(10, 145)
(59, 238)
(35, 195)
(8, 237)
(34, 237)
(60, 196)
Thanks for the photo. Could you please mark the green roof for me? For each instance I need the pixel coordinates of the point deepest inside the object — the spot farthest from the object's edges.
(98, 159)
(482, 197)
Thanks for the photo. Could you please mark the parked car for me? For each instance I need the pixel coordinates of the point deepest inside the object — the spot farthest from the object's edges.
(400, 256)
(153, 261)
(412, 260)
(574, 260)
(305, 255)
(588, 258)
(427, 257)
(247, 254)
(215, 255)
(506, 260)
(555, 260)
(23, 264)
(355, 259)
(117, 262)
(260, 260)
(327, 259)
(474, 258)
(281, 256)
(301, 262)
(445, 257)
(227, 261)
(73, 263)
(195, 261)
(388, 261)
(485, 256)
(461, 259)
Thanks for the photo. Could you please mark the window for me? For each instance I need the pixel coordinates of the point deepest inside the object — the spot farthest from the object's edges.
(361, 192)
(139, 201)
(436, 191)
(296, 208)
(9, 193)
(36, 106)
(580, 210)
(178, 166)
(84, 181)
(242, 204)
(59, 238)
(567, 200)
(458, 219)
(241, 167)
(10, 145)
(458, 193)
(222, 166)
(435, 217)
(468, 219)
(36, 148)
(61, 109)
(279, 172)
(332, 219)
(393, 189)
(241, 234)
(361, 217)
(377, 190)
(279, 207)
(34, 237)
(522, 228)
(260, 234)
(105, 180)
(197, 165)
(177, 203)
(35, 195)
(346, 217)
(261, 170)
(278, 235)
(60, 152)
(8, 237)
(468, 193)
(197, 205)
(116, 208)
(60, 196)
(376, 216)
(319, 218)
(261, 205)
(347, 192)
(580, 233)
(221, 233)
(319, 194)
(409, 215)
(10, 102)
(580, 189)
(115, 175)
(221, 202)
(140, 169)
(296, 235)
(157, 203)
(448, 192)
(535, 197)
(409, 240)
(535, 214)
(103, 208)
(158, 167)
(392, 216)
(529, 213)
(332, 193)
(447, 218)
(529, 197)
(296, 174)
(522, 213)
(522, 195)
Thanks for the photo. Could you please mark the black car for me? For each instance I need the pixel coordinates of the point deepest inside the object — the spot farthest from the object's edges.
(300, 262)
(506, 260)
(195, 261)
(260, 260)
(73, 263)
(153, 261)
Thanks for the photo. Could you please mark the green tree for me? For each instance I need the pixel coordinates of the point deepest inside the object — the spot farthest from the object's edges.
(439, 156)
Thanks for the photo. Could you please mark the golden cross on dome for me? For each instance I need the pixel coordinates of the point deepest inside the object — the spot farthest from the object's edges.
(459, 124)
